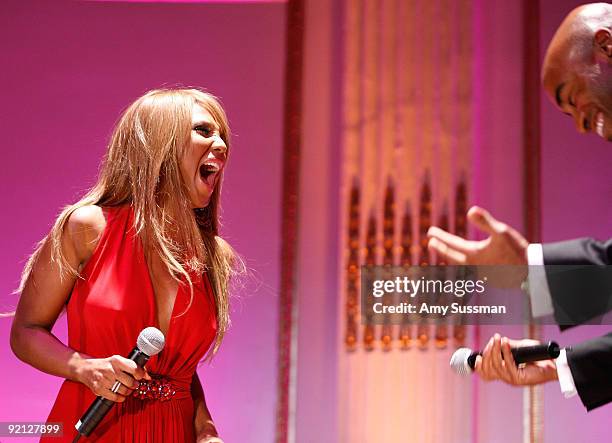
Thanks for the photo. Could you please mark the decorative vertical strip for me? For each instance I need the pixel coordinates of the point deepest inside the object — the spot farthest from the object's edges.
(461, 231)
(388, 262)
(370, 260)
(351, 185)
(425, 222)
(386, 149)
(352, 270)
(407, 133)
(531, 182)
(289, 231)
(441, 335)
(405, 332)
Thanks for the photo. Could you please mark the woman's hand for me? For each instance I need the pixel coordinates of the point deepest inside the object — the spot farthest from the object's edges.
(100, 374)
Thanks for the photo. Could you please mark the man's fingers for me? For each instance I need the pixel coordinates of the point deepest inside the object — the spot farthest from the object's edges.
(487, 364)
(496, 357)
(480, 370)
(460, 244)
(521, 343)
(519, 241)
(509, 362)
(483, 220)
(446, 253)
(478, 364)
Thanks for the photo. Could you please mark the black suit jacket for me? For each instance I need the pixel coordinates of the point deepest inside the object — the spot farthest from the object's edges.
(581, 251)
(579, 279)
(578, 298)
(591, 365)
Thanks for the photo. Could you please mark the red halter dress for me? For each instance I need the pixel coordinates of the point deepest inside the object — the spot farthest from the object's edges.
(107, 310)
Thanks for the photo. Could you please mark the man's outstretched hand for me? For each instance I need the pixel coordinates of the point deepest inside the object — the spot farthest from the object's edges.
(504, 246)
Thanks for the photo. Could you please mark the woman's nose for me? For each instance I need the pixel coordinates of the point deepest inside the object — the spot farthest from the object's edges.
(218, 146)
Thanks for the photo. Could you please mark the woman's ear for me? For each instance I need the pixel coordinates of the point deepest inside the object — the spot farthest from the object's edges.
(603, 42)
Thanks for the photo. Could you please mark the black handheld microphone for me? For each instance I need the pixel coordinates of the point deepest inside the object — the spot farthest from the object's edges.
(463, 360)
(150, 342)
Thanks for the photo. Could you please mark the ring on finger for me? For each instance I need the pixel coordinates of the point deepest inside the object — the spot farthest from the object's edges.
(116, 387)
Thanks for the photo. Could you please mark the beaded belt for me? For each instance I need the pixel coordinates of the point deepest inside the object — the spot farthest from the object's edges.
(157, 389)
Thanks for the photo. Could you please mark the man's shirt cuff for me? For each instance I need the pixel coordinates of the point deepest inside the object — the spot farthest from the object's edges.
(539, 293)
(566, 381)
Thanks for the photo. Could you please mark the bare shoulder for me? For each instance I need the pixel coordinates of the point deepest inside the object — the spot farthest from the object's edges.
(85, 227)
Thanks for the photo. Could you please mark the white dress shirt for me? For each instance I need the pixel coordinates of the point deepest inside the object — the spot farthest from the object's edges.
(541, 304)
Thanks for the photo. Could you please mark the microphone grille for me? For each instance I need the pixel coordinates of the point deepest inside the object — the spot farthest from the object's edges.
(459, 361)
(151, 341)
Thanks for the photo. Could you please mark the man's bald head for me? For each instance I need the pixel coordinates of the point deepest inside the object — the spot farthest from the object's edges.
(577, 69)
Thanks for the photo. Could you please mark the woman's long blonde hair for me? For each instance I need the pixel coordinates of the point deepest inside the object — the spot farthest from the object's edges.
(141, 168)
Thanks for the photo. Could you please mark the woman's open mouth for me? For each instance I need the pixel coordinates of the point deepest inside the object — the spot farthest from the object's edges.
(209, 171)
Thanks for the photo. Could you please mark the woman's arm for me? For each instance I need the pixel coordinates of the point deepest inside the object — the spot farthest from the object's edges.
(44, 295)
(205, 430)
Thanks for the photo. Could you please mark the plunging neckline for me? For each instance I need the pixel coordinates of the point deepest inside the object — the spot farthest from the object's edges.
(156, 321)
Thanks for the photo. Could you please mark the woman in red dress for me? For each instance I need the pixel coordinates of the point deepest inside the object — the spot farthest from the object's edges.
(140, 249)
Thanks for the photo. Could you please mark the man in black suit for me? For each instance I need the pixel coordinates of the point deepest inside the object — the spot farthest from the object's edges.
(577, 77)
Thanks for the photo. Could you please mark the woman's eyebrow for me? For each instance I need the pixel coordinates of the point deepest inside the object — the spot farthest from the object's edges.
(206, 122)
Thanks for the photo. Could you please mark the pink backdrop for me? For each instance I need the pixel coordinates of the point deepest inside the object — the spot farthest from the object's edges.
(69, 68)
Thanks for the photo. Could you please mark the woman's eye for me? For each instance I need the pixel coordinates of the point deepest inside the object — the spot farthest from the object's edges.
(204, 130)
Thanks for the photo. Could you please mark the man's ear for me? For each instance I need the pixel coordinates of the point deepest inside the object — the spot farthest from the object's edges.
(603, 42)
